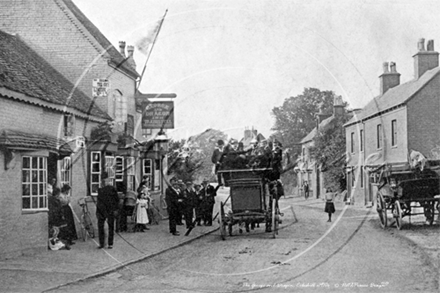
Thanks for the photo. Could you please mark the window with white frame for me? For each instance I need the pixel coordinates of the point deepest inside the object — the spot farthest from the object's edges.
(157, 175)
(69, 125)
(131, 173)
(147, 170)
(361, 140)
(65, 170)
(110, 166)
(379, 136)
(119, 169)
(352, 142)
(34, 183)
(393, 132)
(95, 172)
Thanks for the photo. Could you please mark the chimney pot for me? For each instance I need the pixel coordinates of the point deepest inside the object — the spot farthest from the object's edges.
(430, 45)
(385, 67)
(122, 48)
(130, 50)
(421, 44)
(393, 67)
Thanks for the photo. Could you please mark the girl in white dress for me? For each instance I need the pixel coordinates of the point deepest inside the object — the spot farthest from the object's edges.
(141, 211)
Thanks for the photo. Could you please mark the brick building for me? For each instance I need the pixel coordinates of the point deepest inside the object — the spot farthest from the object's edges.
(402, 118)
(42, 121)
(63, 36)
(307, 169)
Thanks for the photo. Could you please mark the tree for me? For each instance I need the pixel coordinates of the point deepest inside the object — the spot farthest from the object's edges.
(329, 152)
(296, 117)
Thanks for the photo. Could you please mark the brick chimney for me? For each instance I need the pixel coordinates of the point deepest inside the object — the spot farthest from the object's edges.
(122, 48)
(338, 106)
(424, 60)
(389, 78)
(130, 60)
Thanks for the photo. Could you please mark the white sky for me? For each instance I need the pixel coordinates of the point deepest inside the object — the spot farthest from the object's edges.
(231, 62)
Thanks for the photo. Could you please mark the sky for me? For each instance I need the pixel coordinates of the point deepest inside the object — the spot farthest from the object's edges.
(231, 62)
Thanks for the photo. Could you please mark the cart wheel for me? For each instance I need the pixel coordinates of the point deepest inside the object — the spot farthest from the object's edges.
(230, 229)
(274, 219)
(398, 214)
(222, 223)
(382, 210)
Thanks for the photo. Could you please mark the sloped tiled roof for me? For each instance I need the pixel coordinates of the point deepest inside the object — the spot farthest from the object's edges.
(31, 141)
(312, 134)
(395, 96)
(22, 70)
(116, 58)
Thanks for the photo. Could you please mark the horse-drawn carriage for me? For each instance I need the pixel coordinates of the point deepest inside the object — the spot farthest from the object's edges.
(254, 201)
(404, 191)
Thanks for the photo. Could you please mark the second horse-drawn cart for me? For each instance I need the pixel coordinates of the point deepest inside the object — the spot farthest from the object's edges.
(403, 190)
(254, 201)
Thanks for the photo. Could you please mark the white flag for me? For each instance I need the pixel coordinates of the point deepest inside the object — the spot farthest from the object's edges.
(144, 44)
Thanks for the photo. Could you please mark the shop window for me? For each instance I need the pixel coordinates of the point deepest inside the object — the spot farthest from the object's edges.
(34, 182)
(131, 173)
(69, 125)
(147, 170)
(119, 169)
(65, 170)
(95, 172)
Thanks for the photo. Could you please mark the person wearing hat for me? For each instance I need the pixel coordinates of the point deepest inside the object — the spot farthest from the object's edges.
(216, 159)
(189, 203)
(106, 210)
(172, 200)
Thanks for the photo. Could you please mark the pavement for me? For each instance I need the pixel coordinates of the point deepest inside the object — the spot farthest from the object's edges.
(50, 270)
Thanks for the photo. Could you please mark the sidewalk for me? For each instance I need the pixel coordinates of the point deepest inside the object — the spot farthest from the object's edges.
(51, 269)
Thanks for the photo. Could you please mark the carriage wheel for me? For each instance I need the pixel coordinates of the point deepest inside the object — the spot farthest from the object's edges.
(274, 218)
(222, 223)
(398, 214)
(382, 210)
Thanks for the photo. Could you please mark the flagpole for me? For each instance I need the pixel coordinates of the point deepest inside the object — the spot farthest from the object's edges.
(149, 52)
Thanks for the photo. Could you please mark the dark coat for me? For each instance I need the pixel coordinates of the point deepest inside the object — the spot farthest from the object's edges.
(108, 201)
(171, 198)
(56, 215)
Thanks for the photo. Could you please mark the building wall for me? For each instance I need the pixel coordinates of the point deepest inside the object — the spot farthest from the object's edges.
(363, 193)
(28, 231)
(424, 119)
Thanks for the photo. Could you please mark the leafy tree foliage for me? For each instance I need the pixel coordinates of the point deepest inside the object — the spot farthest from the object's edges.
(191, 159)
(329, 151)
(296, 117)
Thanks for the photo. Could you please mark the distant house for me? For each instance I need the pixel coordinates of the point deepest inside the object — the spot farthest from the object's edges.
(402, 118)
(42, 116)
(306, 168)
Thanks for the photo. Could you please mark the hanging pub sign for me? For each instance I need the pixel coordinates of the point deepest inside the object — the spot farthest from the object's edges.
(158, 115)
(100, 87)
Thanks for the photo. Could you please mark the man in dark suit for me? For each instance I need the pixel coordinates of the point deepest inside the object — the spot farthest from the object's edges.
(189, 204)
(172, 201)
(107, 209)
(216, 159)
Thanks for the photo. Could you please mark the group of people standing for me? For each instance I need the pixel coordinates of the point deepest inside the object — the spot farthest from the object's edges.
(190, 202)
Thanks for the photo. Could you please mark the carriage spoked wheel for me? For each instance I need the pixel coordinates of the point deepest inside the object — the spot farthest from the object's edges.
(397, 213)
(222, 223)
(382, 210)
(275, 218)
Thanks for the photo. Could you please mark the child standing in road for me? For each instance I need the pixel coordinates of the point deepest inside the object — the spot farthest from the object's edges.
(329, 205)
(141, 213)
